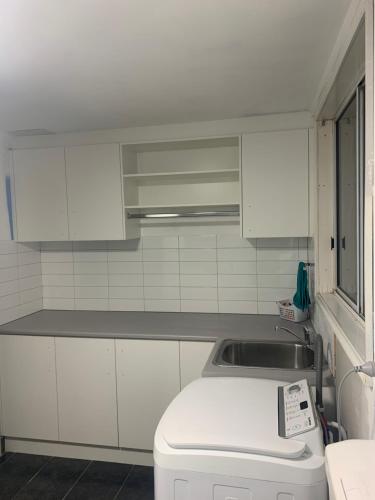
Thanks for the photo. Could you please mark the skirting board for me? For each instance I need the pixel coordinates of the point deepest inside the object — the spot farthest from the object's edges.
(79, 451)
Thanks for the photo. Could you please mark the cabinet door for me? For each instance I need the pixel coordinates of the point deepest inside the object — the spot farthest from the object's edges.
(94, 192)
(86, 387)
(147, 381)
(40, 194)
(275, 188)
(193, 357)
(28, 387)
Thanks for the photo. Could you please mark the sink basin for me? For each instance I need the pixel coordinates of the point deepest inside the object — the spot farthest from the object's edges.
(284, 355)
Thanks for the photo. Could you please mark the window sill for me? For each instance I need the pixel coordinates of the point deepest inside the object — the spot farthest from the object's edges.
(348, 327)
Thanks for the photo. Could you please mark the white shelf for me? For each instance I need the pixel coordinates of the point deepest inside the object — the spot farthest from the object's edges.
(181, 177)
(182, 205)
(204, 173)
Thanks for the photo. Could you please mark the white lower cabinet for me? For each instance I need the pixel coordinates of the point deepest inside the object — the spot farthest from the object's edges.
(193, 357)
(102, 392)
(28, 387)
(86, 388)
(148, 379)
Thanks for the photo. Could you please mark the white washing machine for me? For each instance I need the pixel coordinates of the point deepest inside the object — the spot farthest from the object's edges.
(240, 439)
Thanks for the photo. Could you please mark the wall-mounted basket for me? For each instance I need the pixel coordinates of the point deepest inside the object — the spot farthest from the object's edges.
(290, 312)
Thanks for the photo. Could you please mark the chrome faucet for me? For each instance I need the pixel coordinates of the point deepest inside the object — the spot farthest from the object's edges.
(308, 334)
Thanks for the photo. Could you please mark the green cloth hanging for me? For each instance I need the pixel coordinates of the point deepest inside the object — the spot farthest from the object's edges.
(301, 298)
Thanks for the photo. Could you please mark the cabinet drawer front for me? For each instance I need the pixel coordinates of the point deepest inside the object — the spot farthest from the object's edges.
(94, 192)
(148, 380)
(40, 193)
(275, 185)
(86, 386)
(193, 357)
(28, 387)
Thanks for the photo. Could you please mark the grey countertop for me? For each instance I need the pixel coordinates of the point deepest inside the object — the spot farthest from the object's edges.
(149, 325)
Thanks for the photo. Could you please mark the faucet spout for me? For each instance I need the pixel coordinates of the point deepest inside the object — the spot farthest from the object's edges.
(306, 342)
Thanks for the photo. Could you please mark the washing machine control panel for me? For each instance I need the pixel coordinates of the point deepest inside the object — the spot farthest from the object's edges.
(296, 412)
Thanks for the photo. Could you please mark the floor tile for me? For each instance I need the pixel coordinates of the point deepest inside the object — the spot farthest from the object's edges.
(101, 481)
(17, 470)
(5, 457)
(54, 480)
(139, 485)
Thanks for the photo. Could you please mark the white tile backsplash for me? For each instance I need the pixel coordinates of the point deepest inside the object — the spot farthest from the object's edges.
(126, 292)
(198, 268)
(123, 256)
(197, 254)
(125, 280)
(57, 267)
(160, 255)
(234, 280)
(198, 293)
(30, 270)
(90, 267)
(199, 306)
(91, 279)
(126, 305)
(163, 305)
(198, 280)
(158, 242)
(125, 267)
(197, 241)
(191, 273)
(237, 268)
(92, 304)
(236, 254)
(162, 292)
(20, 280)
(238, 307)
(161, 280)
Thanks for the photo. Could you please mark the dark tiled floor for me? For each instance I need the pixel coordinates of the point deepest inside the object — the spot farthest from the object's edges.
(35, 477)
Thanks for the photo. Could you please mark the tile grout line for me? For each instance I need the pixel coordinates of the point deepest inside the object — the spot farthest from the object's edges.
(124, 482)
(77, 480)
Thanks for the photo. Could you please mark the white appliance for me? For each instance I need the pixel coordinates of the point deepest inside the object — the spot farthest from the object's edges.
(220, 439)
(350, 470)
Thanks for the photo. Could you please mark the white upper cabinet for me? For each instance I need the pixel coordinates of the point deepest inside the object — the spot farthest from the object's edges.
(94, 192)
(40, 192)
(275, 186)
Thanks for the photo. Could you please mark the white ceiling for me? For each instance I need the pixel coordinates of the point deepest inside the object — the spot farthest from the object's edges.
(69, 65)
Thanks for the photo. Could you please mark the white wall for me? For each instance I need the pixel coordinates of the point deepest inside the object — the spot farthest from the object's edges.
(357, 397)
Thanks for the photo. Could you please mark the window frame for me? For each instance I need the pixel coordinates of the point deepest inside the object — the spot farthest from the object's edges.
(359, 97)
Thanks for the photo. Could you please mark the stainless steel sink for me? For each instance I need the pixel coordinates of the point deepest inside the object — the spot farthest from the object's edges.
(245, 353)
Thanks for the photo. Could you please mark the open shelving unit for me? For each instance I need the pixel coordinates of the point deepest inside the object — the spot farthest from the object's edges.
(189, 176)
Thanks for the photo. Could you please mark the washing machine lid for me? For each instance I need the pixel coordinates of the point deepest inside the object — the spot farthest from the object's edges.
(229, 414)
